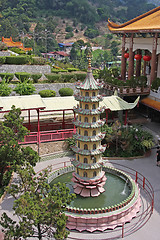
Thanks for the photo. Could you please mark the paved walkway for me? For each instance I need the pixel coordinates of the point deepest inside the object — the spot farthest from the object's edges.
(146, 166)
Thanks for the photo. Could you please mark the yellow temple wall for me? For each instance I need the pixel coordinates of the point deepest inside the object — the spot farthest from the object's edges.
(89, 130)
(89, 106)
(90, 118)
(90, 159)
(90, 92)
(90, 145)
(90, 172)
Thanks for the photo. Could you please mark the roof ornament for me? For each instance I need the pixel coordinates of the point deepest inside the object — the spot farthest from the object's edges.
(89, 56)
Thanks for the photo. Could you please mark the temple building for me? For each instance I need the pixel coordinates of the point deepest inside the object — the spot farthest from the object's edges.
(89, 178)
(140, 43)
(10, 44)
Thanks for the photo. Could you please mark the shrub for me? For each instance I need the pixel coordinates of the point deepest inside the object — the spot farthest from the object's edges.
(38, 61)
(53, 77)
(80, 76)
(72, 69)
(65, 92)
(69, 35)
(2, 60)
(53, 70)
(19, 60)
(5, 90)
(23, 76)
(25, 88)
(36, 77)
(47, 93)
(7, 76)
(155, 84)
(18, 50)
(69, 29)
(68, 77)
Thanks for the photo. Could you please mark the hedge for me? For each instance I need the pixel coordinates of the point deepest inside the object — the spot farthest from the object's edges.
(36, 77)
(80, 76)
(18, 60)
(47, 93)
(72, 69)
(2, 60)
(53, 77)
(23, 76)
(38, 61)
(7, 76)
(54, 70)
(65, 92)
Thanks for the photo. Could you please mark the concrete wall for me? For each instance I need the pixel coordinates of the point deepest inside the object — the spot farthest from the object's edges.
(25, 68)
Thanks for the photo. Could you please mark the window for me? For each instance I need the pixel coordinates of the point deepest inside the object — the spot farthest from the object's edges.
(85, 174)
(79, 131)
(86, 106)
(78, 144)
(77, 171)
(94, 146)
(78, 158)
(93, 94)
(94, 133)
(85, 147)
(85, 160)
(87, 94)
(94, 119)
(94, 174)
(80, 105)
(85, 133)
(94, 160)
(94, 106)
(80, 118)
(86, 119)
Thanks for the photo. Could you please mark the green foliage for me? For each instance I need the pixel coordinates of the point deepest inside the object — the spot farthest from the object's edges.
(155, 84)
(38, 61)
(55, 70)
(69, 29)
(65, 92)
(126, 141)
(19, 60)
(11, 153)
(2, 60)
(69, 35)
(5, 90)
(36, 77)
(52, 77)
(91, 33)
(47, 93)
(68, 78)
(25, 88)
(3, 46)
(7, 76)
(70, 142)
(39, 207)
(23, 76)
(80, 76)
(18, 50)
(72, 69)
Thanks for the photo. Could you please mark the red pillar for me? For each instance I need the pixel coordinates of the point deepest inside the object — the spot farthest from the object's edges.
(106, 110)
(154, 59)
(138, 64)
(38, 127)
(123, 60)
(131, 58)
(29, 120)
(126, 114)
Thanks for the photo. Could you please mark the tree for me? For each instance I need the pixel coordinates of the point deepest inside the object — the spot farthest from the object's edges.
(11, 153)
(39, 207)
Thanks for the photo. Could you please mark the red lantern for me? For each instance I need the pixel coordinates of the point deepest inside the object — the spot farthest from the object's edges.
(138, 57)
(147, 58)
(126, 55)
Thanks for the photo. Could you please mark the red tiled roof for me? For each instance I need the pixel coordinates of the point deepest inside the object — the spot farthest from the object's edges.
(60, 53)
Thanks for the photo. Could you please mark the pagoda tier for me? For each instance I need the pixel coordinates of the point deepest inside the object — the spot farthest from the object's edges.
(93, 152)
(80, 165)
(80, 98)
(87, 187)
(98, 137)
(97, 124)
(82, 111)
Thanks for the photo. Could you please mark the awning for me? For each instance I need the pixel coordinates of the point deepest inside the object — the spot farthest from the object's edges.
(151, 103)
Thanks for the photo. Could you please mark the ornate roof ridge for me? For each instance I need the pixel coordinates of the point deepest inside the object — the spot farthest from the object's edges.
(117, 26)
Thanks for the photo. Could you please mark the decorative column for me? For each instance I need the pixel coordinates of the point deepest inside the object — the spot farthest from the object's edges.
(123, 60)
(88, 177)
(154, 59)
(131, 58)
(138, 64)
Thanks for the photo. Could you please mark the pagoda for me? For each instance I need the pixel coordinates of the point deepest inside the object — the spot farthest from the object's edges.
(88, 177)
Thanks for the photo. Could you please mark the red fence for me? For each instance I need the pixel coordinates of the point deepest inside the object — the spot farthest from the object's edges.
(47, 136)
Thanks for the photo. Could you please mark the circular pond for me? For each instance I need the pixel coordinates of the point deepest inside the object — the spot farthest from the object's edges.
(116, 191)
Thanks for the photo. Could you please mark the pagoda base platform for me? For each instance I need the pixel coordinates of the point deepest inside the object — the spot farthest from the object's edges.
(89, 187)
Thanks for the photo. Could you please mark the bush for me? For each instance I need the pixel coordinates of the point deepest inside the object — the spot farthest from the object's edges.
(36, 77)
(7, 76)
(69, 35)
(54, 70)
(47, 93)
(23, 76)
(2, 60)
(25, 88)
(19, 60)
(69, 29)
(38, 61)
(65, 92)
(72, 69)
(5, 90)
(18, 50)
(155, 84)
(68, 77)
(80, 76)
(53, 77)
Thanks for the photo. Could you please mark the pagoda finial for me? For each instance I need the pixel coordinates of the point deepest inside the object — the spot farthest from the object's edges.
(89, 56)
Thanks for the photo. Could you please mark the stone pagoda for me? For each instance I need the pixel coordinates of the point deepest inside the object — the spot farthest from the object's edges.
(88, 177)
